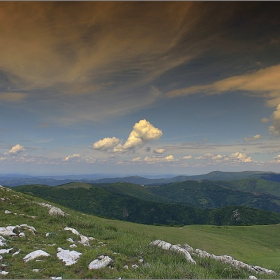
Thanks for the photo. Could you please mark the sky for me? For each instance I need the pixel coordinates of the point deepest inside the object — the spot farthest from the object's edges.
(139, 87)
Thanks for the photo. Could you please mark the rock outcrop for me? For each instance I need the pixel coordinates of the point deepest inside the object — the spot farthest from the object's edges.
(175, 248)
(53, 211)
(188, 250)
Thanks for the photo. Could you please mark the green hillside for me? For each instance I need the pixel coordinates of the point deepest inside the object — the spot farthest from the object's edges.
(133, 190)
(256, 186)
(214, 194)
(127, 244)
(99, 201)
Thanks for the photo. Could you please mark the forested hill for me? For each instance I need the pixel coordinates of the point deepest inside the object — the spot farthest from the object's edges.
(108, 202)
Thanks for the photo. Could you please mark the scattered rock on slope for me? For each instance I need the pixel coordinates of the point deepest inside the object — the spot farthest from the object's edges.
(200, 253)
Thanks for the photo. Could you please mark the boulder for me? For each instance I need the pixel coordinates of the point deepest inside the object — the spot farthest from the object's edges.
(69, 257)
(84, 239)
(35, 254)
(100, 262)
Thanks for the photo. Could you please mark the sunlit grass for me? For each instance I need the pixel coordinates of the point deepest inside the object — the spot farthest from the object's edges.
(128, 245)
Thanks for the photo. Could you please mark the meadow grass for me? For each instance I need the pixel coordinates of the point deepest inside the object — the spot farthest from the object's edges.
(128, 244)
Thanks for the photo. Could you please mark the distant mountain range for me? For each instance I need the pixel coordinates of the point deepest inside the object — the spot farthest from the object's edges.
(16, 180)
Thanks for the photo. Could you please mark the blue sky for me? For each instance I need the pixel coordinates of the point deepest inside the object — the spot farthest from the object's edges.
(139, 87)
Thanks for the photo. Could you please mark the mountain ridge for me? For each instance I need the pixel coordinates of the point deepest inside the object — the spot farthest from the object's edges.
(16, 180)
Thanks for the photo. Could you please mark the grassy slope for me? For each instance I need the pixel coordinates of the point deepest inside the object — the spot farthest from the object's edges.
(253, 245)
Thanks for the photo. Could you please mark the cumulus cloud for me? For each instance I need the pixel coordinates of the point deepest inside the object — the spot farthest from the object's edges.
(256, 137)
(142, 133)
(205, 156)
(106, 144)
(15, 150)
(234, 157)
(159, 151)
(240, 157)
(156, 159)
(74, 156)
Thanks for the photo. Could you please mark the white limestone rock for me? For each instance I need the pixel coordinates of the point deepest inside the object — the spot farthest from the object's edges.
(53, 211)
(35, 254)
(188, 248)
(32, 229)
(178, 249)
(70, 240)
(8, 231)
(175, 248)
(5, 251)
(84, 239)
(134, 266)
(69, 257)
(2, 241)
(230, 260)
(100, 262)
(16, 253)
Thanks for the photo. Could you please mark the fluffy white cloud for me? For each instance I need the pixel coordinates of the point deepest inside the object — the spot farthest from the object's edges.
(275, 128)
(169, 158)
(142, 133)
(74, 156)
(156, 159)
(256, 137)
(159, 151)
(205, 156)
(234, 157)
(240, 157)
(15, 150)
(106, 143)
